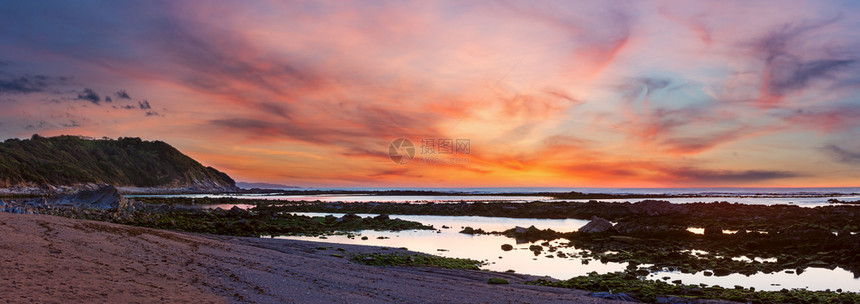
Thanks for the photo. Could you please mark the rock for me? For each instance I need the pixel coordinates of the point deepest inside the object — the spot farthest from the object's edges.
(470, 230)
(814, 233)
(349, 217)
(104, 197)
(818, 263)
(713, 230)
(381, 217)
(597, 225)
(236, 210)
(507, 247)
(721, 272)
(653, 207)
(520, 230)
(626, 239)
(637, 228)
(536, 248)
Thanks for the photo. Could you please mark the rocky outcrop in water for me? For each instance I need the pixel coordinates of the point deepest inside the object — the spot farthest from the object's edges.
(636, 228)
(102, 197)
(105, 197)
(597, 225)
(654, 208)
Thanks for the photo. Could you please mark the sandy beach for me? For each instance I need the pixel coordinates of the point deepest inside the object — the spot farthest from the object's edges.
(48, 259)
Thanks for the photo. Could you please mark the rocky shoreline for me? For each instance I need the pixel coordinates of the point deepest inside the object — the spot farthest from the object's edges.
(651, 233)
(55, 259)
(105, 203)
(656, 232)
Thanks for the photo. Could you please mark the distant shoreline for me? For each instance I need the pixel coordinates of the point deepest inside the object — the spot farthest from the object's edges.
(556, 195)
(555, 192)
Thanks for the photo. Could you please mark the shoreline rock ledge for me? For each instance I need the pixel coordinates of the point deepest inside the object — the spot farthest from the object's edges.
(104, 197)
(101, 197)
(597, 225)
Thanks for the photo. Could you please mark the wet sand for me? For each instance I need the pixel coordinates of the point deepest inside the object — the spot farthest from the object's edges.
(50, 259)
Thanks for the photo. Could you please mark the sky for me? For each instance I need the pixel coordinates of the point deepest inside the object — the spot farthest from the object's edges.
(529, 93)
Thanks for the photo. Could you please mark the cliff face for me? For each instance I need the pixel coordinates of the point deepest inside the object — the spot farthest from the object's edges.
(124, 162)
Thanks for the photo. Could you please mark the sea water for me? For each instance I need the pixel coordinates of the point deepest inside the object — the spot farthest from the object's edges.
(487, 248)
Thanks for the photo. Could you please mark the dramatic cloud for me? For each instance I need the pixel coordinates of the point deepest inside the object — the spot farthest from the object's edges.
(90, 95)
(30, 84)
(121, 94)
(562, 93)
(722, 176)
(792, 62)
(843, 155)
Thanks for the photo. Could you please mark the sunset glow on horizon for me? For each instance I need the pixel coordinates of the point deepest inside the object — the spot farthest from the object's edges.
(548, 94)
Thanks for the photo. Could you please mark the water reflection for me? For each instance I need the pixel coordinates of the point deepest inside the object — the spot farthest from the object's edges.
(483, 222)
(486, 248)
(811, 278)
(570, 263)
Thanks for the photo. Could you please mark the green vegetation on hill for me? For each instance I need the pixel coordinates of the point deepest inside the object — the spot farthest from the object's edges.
(128, 161)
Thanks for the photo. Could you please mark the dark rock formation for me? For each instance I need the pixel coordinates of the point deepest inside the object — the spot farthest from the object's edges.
(653, 208)
(105, 197)
(639, 228)
(520, 230)
(470, 230)
(713, 230)
(349, 217)
(597, 225)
